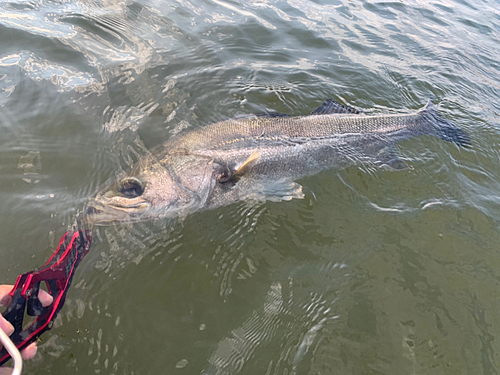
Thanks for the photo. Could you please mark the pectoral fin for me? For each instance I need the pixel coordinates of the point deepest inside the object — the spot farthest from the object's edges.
(247, 165)
(233, 177)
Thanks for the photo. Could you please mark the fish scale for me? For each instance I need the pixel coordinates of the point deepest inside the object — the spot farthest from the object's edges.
(315, 127)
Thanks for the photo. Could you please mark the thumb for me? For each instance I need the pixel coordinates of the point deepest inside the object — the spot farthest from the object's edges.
(6, 326)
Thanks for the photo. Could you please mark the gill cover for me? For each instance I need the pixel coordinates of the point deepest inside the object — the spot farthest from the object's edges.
(193, 177)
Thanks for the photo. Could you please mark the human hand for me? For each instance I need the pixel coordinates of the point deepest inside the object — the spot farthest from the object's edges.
(30, 351)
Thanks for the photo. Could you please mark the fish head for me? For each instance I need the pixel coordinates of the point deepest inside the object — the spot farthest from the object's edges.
(157, 187)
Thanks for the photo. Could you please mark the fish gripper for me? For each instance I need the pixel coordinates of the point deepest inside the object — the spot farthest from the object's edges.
(57, 274)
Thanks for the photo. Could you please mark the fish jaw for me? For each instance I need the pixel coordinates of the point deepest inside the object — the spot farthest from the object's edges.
(106, 211)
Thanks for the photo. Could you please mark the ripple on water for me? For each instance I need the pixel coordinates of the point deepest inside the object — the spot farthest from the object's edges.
(87, 87)
(295, 316)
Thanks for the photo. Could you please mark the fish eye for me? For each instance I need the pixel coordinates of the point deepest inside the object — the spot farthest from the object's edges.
(131, 188)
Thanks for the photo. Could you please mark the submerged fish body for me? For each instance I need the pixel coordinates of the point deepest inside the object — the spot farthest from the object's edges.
(259, 157)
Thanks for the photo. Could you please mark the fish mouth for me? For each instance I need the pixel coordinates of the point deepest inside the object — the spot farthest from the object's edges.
(96, 213)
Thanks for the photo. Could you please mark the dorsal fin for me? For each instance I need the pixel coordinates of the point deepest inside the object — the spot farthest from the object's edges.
(331, 106)
(247, 165)
(262, 114)
(271, 115)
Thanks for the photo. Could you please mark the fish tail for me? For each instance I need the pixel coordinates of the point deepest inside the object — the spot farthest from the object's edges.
(440, 127)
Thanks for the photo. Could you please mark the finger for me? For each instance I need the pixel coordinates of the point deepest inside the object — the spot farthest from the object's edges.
(6, 370)
(6, 326)
(45, 298)
(29, 352)
(4, 294)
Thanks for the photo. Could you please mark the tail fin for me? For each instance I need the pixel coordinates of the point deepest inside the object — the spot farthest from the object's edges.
(442, 128)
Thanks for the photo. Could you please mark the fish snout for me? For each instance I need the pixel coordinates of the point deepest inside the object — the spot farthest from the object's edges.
(109, 212)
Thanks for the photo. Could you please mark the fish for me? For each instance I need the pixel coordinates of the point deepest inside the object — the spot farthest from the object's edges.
(259, 157)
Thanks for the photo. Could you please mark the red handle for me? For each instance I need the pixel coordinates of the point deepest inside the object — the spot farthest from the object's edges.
(57, 273)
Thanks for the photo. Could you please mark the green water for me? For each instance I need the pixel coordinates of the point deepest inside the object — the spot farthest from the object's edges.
(374, 272)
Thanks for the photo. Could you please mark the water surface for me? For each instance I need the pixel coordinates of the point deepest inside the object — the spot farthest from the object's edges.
(374, 272)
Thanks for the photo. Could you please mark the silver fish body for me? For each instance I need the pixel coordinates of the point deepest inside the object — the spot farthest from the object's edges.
(259, 157)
